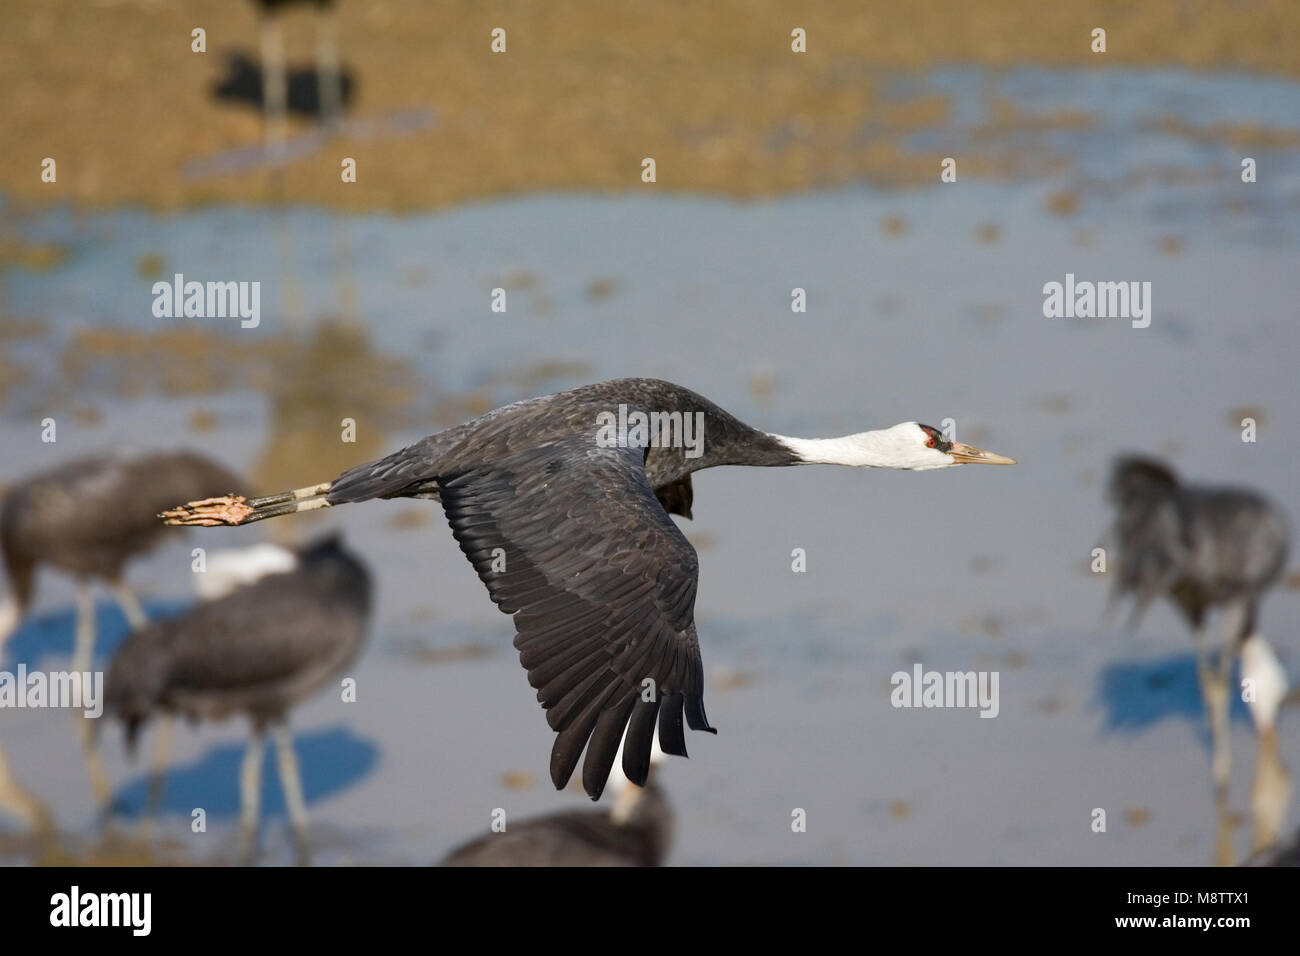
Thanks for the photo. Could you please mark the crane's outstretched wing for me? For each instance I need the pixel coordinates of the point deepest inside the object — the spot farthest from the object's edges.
(570, 539)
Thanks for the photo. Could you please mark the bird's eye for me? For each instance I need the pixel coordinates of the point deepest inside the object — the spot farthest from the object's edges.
(930, 443)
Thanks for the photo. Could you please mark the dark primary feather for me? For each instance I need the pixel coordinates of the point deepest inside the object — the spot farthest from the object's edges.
(258, 650)
(601, 584)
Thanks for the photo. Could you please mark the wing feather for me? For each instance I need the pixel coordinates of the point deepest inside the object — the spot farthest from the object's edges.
(601, 584)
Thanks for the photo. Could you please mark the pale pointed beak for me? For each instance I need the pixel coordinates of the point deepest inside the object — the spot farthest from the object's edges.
(970, 455)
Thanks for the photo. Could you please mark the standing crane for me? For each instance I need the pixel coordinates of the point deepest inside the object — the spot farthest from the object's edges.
(257, 651)
(1204, 548)
(89, 518)
(275, 75)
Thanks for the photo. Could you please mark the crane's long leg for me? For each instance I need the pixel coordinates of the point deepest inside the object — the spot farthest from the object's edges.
(250, 792)
(1237, 627)
(137, 619)
(83, 658)
(291, 783)
(130, 605)
(328, 69)
(1214, 696)
(21, 802)
(1270, 792)
(1221, 759)
(275, 89)
(1214, 693)
(162, 743)
(238, 510)
(83, 649)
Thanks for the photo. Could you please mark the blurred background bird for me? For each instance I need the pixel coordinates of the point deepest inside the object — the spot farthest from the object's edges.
(635, 831)
(275, 77)
(221, 572)
(1206, 549)
(232, 568)
(256, 651)
(89, 518)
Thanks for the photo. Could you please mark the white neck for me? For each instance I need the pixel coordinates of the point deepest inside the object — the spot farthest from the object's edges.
(901, 446)
(829, 451)
(233, 569)
(1260, 664)
(627, 795)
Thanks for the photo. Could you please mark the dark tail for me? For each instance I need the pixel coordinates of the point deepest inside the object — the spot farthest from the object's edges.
(404, 472)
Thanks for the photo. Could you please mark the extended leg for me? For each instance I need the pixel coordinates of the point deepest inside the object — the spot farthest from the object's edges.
(1238, 625)
(83, 659)
(83, 650)
(238, 510)
(162, 742)
(130, 605)
(291, 783)
(1214, 692)
(275, 88)
(17, 800)
(1214, 695)
(1225, 825)
(328, 70)
(1220, 703)
(250, 792)
(1270, 793)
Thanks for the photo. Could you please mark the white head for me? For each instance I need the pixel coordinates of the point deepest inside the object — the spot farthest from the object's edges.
(1260, 665)
(225, 571)
(908, 446)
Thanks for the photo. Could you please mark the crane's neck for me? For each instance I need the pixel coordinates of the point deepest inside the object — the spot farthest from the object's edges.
(874, 449)
(1260, 666)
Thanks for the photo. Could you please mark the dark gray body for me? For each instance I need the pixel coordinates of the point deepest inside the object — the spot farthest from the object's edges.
(574, 540)
(1202, 547)
(90, 517)
(578, 838)
(256, 651)
(535, 422)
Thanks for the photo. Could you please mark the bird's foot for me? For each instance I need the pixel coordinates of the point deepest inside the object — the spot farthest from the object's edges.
(210, 512)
